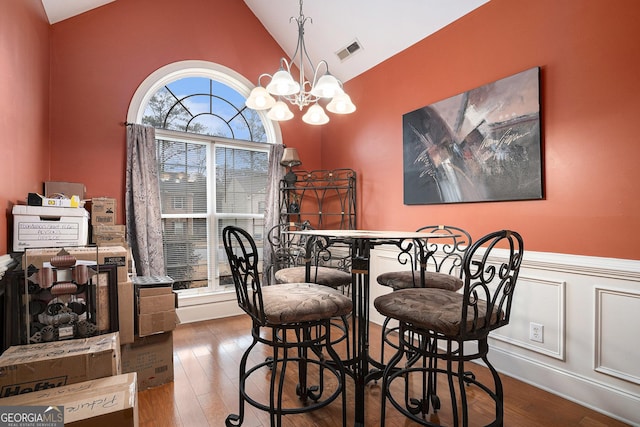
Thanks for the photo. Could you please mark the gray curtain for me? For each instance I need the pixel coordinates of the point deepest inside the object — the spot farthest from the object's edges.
(142, 201)
(272, 211)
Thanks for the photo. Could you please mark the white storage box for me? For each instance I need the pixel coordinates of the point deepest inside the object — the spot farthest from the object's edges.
(45, 227)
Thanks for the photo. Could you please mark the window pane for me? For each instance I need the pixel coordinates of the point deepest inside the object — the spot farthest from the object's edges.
(183, 177)
(255, 227)
(241, 180)
(185, 251)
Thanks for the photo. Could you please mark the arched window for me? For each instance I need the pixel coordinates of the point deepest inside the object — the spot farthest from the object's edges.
(212, 156)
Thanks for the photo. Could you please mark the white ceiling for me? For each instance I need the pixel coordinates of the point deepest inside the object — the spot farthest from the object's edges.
(382, 27)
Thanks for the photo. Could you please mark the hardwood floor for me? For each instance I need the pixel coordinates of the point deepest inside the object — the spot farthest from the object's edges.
(204, 392)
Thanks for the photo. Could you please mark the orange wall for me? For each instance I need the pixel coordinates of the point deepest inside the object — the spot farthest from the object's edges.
(24, 111)
(101, 57)
(586, 49)
(590, 81)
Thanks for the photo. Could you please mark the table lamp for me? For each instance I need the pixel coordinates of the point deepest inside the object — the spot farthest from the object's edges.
(290, 159)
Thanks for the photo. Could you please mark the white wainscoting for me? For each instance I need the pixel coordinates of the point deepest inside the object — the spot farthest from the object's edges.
(590, 310)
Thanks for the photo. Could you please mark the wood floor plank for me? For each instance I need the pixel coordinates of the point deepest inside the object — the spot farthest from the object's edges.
(205, 389)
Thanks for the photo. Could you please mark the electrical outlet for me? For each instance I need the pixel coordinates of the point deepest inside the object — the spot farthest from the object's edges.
(536, 332)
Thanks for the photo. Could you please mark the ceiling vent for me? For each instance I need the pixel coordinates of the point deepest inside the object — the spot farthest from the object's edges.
(351, 49)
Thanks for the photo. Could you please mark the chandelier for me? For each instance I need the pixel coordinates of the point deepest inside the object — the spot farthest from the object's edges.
(284, 87)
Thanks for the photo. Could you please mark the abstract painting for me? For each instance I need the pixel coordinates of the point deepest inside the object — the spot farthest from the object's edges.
(481, 145)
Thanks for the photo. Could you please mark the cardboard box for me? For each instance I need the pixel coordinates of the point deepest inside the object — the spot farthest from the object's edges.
(105, 402)
(45, 227)
(151, 358)
(156, 307)
(164, 301)
(103, 211)
(54, 189)
(109, 235)
(36, 367)
(156, 323)
(126, 312)
(113, 255)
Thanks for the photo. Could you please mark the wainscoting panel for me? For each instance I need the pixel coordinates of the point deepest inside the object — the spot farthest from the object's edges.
(538, 301)
(617, 333)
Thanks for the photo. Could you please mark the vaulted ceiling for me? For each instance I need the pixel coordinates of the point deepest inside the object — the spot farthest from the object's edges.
(381, 28)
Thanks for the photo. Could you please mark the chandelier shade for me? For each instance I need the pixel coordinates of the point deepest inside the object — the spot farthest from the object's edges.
(327, 86)
(315, 115)
(260, 99)
(300, 92)
(280, 112)
(341, 104)
(282, 84)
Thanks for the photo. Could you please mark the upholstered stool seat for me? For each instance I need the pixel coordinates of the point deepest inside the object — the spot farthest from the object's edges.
(405, 279)
(326, 276)
(437, 310)
(303, 302)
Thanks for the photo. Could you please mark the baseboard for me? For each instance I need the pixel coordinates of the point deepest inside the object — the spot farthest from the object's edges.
(611, 401)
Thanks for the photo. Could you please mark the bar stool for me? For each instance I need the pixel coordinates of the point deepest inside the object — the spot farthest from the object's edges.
(298, 319)
(442, 264)
(290, 256)
(289, 259)
(446, 323)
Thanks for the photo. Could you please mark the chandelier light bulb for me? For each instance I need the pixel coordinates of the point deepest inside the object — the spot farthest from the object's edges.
(280, 112)
(260, 99)
(341, 104)
(327, 86)
(282, 84)
(315, 115)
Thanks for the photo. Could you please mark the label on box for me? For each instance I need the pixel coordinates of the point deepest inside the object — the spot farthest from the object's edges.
(120, 261)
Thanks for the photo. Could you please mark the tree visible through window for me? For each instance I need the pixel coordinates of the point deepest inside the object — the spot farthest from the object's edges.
(212, 165)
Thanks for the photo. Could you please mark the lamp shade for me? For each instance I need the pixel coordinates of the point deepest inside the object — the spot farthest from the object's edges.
(280, 112)
(260, 99)
(341, 104)
(315, 115)
(327, 86)
(290, 158)
(282, 84)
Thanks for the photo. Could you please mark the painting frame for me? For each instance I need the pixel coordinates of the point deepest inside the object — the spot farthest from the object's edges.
(482, 145)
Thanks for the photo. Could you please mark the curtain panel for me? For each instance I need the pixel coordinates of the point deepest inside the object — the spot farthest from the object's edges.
(142, 202)
(272, 209)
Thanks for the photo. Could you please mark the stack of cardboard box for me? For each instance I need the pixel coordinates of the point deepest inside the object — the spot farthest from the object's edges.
(79, 380)
(137, 357)
(151, 353)
(147, 338)
(104, 230)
